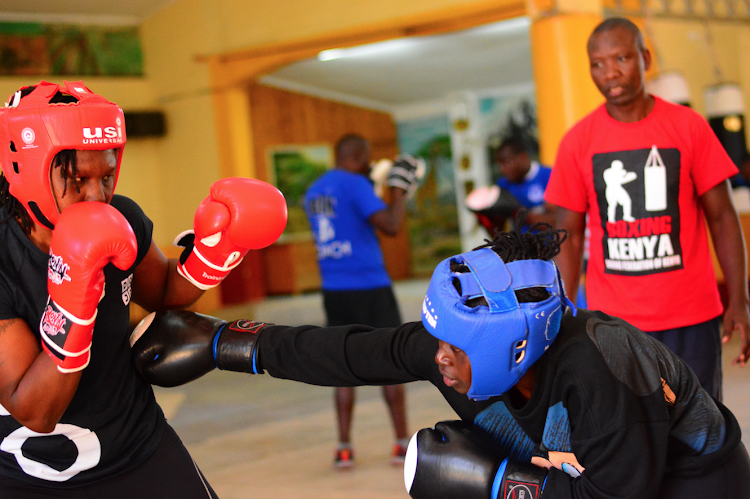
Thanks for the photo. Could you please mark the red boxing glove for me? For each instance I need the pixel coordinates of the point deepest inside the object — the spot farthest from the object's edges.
(88, 236)
(240, 214)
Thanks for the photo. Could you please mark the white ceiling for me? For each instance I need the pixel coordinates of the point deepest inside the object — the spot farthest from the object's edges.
(408, 71)
(389, 76)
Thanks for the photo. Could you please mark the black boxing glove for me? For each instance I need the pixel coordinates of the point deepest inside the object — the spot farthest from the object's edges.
(175, 347)
(493, 202)
(450, 461)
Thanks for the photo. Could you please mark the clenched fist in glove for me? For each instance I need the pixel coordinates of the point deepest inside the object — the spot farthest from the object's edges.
(174, 347)
(238, 215)
(450, 461)
(406, 173)
(493, 206)
(88, 236)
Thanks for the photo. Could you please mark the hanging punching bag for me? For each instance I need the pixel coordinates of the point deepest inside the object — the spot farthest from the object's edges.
(725, 110)
(670, 86)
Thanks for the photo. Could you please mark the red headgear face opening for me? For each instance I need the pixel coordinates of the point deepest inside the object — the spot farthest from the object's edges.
(33, 131)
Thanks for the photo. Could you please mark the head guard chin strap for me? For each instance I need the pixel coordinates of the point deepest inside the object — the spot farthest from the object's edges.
(503, 338)
(33, 131)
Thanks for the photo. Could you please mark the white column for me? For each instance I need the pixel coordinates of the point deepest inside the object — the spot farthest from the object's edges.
(470, 162)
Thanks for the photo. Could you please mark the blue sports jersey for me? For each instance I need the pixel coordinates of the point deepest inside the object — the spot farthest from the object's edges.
(530, 191)
(338, 206)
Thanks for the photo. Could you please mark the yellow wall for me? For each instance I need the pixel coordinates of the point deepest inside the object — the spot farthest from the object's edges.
(564, 90)
(684, 46)
(216, 26)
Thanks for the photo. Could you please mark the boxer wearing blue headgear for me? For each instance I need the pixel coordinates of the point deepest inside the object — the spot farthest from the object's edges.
(559, 404)
(471, 303)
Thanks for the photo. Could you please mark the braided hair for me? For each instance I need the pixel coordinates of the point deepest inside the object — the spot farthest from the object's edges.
(540, 242)
(12, 207)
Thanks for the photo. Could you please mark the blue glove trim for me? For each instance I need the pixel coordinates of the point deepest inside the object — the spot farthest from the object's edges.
(216, 343)
(498, 479)
(255, 357)
(570, 470)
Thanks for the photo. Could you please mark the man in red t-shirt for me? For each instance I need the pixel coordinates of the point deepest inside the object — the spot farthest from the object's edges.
(646, 172)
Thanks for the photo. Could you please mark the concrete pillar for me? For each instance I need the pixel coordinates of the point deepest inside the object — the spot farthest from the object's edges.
(564, 90)
(470, 162)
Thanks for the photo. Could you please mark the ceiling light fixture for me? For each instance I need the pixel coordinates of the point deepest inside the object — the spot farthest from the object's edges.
(364, 50)
(509, 26)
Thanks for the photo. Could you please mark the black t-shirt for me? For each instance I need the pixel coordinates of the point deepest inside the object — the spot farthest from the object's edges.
(629, 409)
(113, 421)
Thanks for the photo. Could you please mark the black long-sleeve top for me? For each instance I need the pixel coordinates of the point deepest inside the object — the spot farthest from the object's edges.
(628, 408)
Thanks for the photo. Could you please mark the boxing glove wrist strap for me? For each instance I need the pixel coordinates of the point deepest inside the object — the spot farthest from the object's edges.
(518, 479)
(235, 346)
(199, 270)
(66, 338)
(202, 273)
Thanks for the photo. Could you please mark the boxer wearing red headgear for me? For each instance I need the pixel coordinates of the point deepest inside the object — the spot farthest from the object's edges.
(35, 128)
(74, 256)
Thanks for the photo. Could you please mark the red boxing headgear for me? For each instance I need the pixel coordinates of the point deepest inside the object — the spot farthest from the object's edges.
(33, 131)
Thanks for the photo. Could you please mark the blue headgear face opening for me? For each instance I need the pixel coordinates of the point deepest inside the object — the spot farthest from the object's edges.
(503, 338)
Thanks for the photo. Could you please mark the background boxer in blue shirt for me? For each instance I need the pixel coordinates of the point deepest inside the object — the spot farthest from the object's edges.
(344, 213)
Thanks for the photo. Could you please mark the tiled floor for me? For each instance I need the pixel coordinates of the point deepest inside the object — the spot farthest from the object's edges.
(257, 437)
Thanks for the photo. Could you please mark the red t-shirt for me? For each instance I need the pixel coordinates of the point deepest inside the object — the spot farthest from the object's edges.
(640, 183)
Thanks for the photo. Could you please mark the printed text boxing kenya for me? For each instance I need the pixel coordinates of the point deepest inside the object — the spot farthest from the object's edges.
(641, 245)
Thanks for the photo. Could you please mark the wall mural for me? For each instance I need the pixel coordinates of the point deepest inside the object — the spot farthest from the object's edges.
(31, 49)
(433, 217)
(293, 169)
(433, 220)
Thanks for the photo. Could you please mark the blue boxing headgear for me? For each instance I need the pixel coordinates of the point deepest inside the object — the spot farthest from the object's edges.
(503, 338)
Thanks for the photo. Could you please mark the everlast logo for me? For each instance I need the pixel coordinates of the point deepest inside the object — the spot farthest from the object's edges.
(106, 135)
(247, 326)
(53, 322)
(57, 270)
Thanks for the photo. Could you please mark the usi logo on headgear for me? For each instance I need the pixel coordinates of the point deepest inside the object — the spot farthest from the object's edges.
(98, 135)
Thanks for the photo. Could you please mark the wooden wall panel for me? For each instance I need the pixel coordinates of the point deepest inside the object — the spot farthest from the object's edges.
(281, 117)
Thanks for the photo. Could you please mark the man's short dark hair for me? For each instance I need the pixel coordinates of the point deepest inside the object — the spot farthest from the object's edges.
(350, 145)
(620, 23)
(515, 144)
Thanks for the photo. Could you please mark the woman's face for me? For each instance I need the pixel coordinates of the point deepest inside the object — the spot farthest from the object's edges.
(455, 367)
(94, 179)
